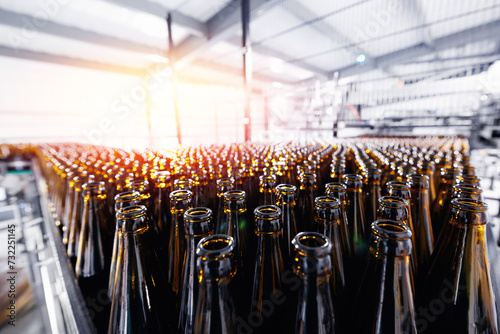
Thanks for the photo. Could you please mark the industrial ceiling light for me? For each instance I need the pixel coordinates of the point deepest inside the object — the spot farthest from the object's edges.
(360, 59)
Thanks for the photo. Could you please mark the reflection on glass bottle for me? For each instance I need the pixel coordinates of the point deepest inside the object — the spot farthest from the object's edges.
(140, 289)
(268, 268)
(285, 200)
(223, 185)
(216, 264)
(180, 201)
(305, 202)
(122, 200)
(459, 277)
(312, 264)
(384, 303)
(197, 225)
(267, 185)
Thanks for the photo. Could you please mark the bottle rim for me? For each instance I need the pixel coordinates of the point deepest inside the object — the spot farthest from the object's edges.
(225, 181)
(471, 205)
(181, 194)
(397, 185)
(97, 185)
(234, 195)
(286, 188)
(196, 215)
(267, 212)
(336, 187)
(215, 247)
(393, 202)
(468, 189)
(312, 244)
(131, 212)
(327, 202)
(352, 177)
(417, 178)
(391, 229)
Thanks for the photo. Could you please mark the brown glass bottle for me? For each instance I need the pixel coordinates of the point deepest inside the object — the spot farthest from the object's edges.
(312, 264)
(384, 303)
(356, 214)
(163, 188)
(305, 202)
(421, 218)
(371, 192)
(122, 200)
(75, 219)
(91, 265)
(268, 273)
(140, 290)
(339, 191)
(285, 200)
(223, 185)
(197, 225)
(180, 202)
(267, 185)
(458, 294)
(443, 198)
(397, 208)
(216, 265)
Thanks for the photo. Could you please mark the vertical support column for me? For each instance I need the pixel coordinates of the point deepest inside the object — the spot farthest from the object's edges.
(247, 66)
(171, 57)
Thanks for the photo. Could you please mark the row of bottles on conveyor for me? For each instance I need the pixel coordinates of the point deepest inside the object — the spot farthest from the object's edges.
(373, 235)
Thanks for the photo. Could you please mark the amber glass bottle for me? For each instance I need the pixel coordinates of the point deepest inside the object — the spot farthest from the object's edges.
(305, 202)
(443, 198)
(356, 213)
(268, 273)
(384, 303)
(140, 290)
(75, 219)
(396, 208)
(180, 201)
(285, 200)
(312, 264)
(223, 185)
(371, 192)
(267, 185)
(122, 200)
(459, 292)
(421, 218)
(197, 225)
(216, 264)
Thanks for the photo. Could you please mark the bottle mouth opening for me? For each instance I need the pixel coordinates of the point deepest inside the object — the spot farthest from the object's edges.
(101, 186)
(336, 187)
(134, 211)
(418, 178)
(312, 244)
(327, 202)
(391, 229)
(267, 212)
(226, 181)
(307, 176)
(234, 195)
(397, 185)
(181, 194)
(267, 177)
(286, 188)
(199, 214)
(127, 196)
(392, 202)
(215, 246)
(183, 182)
(353, 177)
(469, 205)
(138, 183)
(468, 189)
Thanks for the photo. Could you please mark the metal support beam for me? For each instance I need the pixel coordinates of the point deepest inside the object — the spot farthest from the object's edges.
(174, 78)
(21, 21)
(267, 51)
(62, 60)
(247, 65)
(154, 8)
(220, 27)
(489, 30)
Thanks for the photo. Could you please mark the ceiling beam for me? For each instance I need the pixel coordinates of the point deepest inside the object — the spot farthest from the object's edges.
(221, 26)
(489, 30)
(67, 61)
(17, 20)
(267, 51)
(149, 7)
